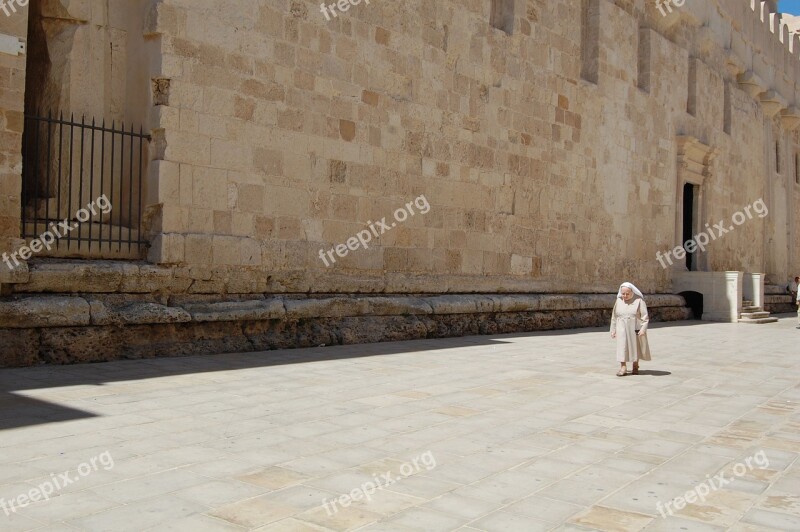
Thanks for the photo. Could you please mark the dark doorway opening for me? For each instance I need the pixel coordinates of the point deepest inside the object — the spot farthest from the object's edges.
(689, 199)
(694, 300)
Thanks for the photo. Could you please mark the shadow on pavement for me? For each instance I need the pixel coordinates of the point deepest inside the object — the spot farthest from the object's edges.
(19, 410)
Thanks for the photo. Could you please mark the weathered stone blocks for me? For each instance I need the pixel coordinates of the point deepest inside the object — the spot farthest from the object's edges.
(44, 311)
(94, 327)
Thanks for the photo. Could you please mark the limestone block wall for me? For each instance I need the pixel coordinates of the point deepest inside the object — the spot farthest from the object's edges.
(279, 134)
(283, 134)
(12, 90)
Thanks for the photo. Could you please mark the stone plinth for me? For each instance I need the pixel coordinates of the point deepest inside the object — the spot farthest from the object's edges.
(72, 328)
(721, 292)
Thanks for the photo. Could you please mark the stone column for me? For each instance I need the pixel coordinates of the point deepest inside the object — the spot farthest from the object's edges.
(733, 293)
(753, 288)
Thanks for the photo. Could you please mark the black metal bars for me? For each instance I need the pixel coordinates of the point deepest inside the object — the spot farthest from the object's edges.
(67, 166)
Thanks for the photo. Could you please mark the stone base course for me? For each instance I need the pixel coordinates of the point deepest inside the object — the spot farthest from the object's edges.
(64, 329)
(131, 277)
(779, 304)
(777, 300)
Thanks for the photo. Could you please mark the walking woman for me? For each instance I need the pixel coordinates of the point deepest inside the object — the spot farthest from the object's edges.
(629, 321)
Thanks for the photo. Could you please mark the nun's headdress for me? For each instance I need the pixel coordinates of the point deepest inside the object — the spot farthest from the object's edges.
(633, 288)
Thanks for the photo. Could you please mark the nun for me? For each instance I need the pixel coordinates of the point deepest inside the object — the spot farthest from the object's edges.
(629, 321)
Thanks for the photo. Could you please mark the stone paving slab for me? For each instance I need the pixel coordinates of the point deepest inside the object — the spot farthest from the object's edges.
(494, 433)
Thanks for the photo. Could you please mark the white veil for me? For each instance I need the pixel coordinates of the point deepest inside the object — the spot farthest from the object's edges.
(633, 288)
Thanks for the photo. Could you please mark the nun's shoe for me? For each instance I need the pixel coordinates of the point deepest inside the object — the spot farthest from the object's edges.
(621, 372)
(635, 370)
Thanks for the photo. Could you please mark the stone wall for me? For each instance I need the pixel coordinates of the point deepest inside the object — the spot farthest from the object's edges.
(279, 134)
(552, 151)
(12, 98)
(285, 133)
(777, 300)
(99, 327)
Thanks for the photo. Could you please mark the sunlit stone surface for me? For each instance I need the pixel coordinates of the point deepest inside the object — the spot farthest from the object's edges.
(521, 432)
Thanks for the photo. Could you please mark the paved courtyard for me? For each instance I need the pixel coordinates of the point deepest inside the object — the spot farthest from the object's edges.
(497, 433)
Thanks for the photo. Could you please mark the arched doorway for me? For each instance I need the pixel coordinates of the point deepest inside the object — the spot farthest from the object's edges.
(694, 300)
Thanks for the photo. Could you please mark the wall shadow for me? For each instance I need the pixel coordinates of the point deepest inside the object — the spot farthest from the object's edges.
(18, 410)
